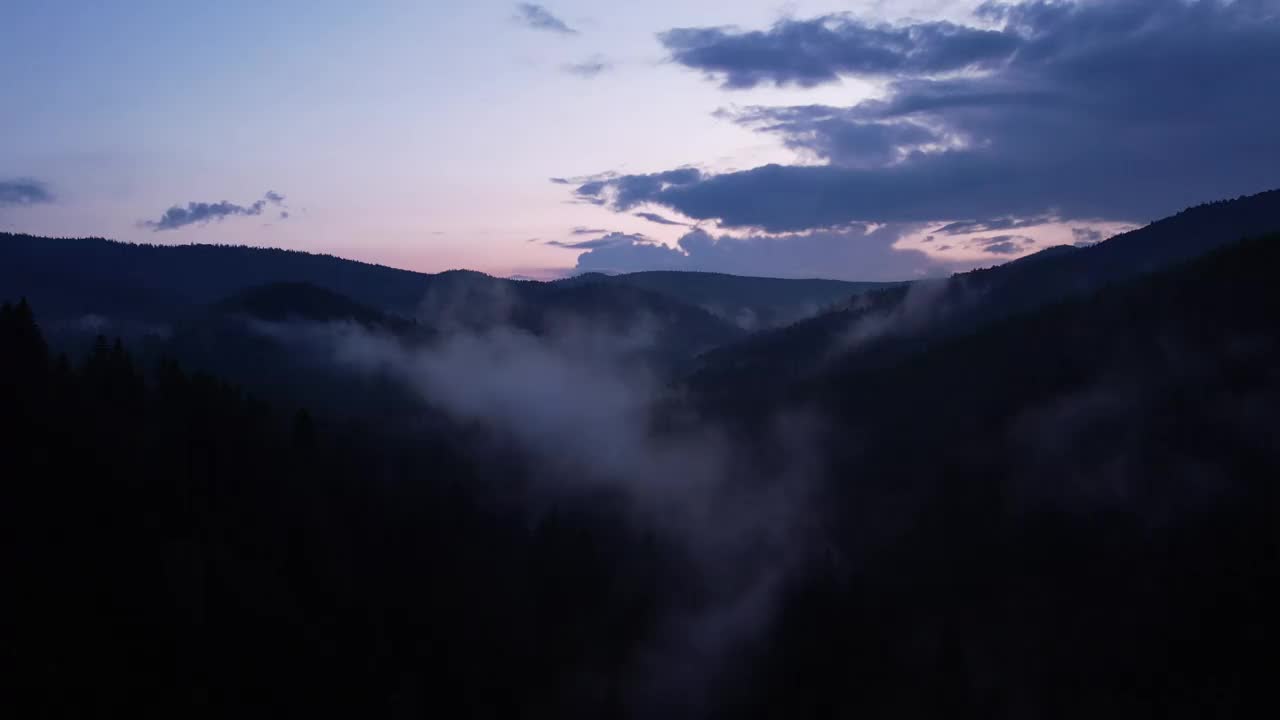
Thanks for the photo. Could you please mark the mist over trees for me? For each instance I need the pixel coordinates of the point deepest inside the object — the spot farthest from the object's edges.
(1045, 489)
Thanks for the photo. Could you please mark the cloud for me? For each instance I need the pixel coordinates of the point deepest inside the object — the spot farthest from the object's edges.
(656, 218)
(1003, 244)
(854, 253)
(838, 135)
(609, 240)
(200, 213)
(818, 51)
(24, 191)
(580, 230)
(1124, 111)
(588, 68)
(1086, 236)
(965, 227)
(624, 192)
(1003, 248)
(539, 18)
(632, 256)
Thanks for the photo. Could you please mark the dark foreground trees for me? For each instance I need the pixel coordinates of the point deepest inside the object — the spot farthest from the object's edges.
(173, 545)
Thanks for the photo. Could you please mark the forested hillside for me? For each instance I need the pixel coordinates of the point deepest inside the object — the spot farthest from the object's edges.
(1068, 512)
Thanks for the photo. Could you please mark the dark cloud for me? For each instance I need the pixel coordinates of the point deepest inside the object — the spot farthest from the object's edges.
(540, 18)
(626, 191)
(856, 253)
(632, 257)
(587, 231)
(605, 241)
(199, 213)
(24, 191)
(1124, 110)
(1003, 244)
(813, 52)
(838, 135)
(779, 198)
(592, 192)
(1004, 248)
(659, 219)
(1086, 236)
(964, 227)
(588, 68)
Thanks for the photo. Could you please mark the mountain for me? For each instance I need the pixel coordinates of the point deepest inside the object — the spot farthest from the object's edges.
(86, 286)
(1080, 499)
(304, 302)
(753, 303)
(148, 285)
(181, 545)
(883, 326)
(1062, 505)
(70, 276)
(266, 339)
(474, 302)
(281, 340)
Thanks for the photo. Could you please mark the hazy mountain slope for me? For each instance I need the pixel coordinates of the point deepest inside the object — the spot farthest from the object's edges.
(88, 285)
(1081, 498)
(885, 325)
(280, 340)
(750, 302)
(260, 338)
(304, 302)
(463, 300)
(1183, 324)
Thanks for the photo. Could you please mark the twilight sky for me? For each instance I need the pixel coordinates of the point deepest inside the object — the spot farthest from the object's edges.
(860, 140)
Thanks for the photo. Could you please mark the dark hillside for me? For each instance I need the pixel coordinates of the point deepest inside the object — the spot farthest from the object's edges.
(885, 325)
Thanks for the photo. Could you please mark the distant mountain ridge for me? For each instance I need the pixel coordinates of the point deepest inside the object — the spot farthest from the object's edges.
(68, 275)
(752, 303)
(886, 325)
(72, 277)
(109, 284)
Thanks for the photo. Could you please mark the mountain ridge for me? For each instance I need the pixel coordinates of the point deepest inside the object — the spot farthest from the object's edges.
(73, 277)
(887, 324)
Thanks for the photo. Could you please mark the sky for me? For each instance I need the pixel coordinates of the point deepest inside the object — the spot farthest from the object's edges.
(860, 140)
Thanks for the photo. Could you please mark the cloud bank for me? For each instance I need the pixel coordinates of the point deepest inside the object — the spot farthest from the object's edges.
(856, 253)
(818, 51)
(1124, 110)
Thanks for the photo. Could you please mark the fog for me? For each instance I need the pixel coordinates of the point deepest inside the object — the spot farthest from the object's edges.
(592, 416)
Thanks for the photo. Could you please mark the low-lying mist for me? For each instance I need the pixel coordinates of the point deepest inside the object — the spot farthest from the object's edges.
(593, 416)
